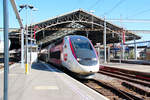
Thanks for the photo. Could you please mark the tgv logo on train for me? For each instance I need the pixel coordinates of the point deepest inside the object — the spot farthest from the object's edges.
(76, 53)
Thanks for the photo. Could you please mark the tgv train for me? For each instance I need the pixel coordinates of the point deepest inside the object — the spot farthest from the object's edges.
(76, 53)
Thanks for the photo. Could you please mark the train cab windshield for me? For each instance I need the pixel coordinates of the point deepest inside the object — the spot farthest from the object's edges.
(79, 45)
(83, 49)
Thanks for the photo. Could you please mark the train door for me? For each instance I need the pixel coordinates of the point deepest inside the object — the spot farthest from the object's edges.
(65, 54)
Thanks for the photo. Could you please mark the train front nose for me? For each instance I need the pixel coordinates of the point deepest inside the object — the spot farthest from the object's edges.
(89, 65)
(90, 69)
(85, 55)
(87, 61)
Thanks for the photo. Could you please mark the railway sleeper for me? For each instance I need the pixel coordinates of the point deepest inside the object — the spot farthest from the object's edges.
(113, 89)
(126, 78)
(141, 74)
(136, 89)
(128, 74)
(135, 97)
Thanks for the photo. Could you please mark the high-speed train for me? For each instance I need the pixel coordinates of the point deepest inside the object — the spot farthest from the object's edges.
(76, 53)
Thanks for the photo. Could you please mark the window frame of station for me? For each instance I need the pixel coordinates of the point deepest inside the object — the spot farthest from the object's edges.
(34, 49)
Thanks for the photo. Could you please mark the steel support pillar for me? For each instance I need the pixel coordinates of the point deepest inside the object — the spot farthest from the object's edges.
(27, 60)
(120, 51)
(22, 47)
(6, 49)
(123, 50)
(27, 57)
(108, 53)
(135, 50)
(104, 41)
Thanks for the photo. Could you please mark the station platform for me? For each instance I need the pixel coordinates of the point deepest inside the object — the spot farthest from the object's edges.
(133, 67)
(44, 82)
(132, 61)
(141, 71)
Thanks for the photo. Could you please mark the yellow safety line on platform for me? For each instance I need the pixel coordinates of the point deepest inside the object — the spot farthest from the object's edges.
(26, 69)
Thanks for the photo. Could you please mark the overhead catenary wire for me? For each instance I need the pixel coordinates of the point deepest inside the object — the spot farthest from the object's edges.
(113, 8)
(139, 13)
(94, 4)
(130, 20)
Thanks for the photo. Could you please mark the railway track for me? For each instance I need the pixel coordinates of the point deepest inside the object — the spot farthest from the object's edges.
(110, 91)
(140, 86)
(114, 90)
(125, 72)
(126, 77)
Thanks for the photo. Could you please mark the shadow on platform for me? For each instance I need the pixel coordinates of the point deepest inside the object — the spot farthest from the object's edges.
(40, 66)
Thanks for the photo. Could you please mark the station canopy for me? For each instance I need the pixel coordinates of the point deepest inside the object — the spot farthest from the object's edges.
(77, 22)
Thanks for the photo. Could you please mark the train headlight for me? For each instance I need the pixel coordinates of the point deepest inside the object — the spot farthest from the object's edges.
(94, 58)
(79, 59)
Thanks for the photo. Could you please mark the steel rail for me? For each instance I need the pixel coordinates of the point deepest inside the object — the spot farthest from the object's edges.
(116, 91)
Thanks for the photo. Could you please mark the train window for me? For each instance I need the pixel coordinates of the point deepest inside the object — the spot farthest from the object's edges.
(65, 46)
(55, 54)
(82, 45)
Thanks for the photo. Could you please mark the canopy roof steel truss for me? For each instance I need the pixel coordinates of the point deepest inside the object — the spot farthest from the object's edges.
(77, 22)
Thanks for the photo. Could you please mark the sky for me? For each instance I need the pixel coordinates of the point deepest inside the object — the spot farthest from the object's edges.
(111, 9)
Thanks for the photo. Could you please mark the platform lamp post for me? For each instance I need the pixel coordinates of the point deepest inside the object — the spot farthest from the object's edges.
(135, 49)
(26, 6)
(6, 52)
(104, 41)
